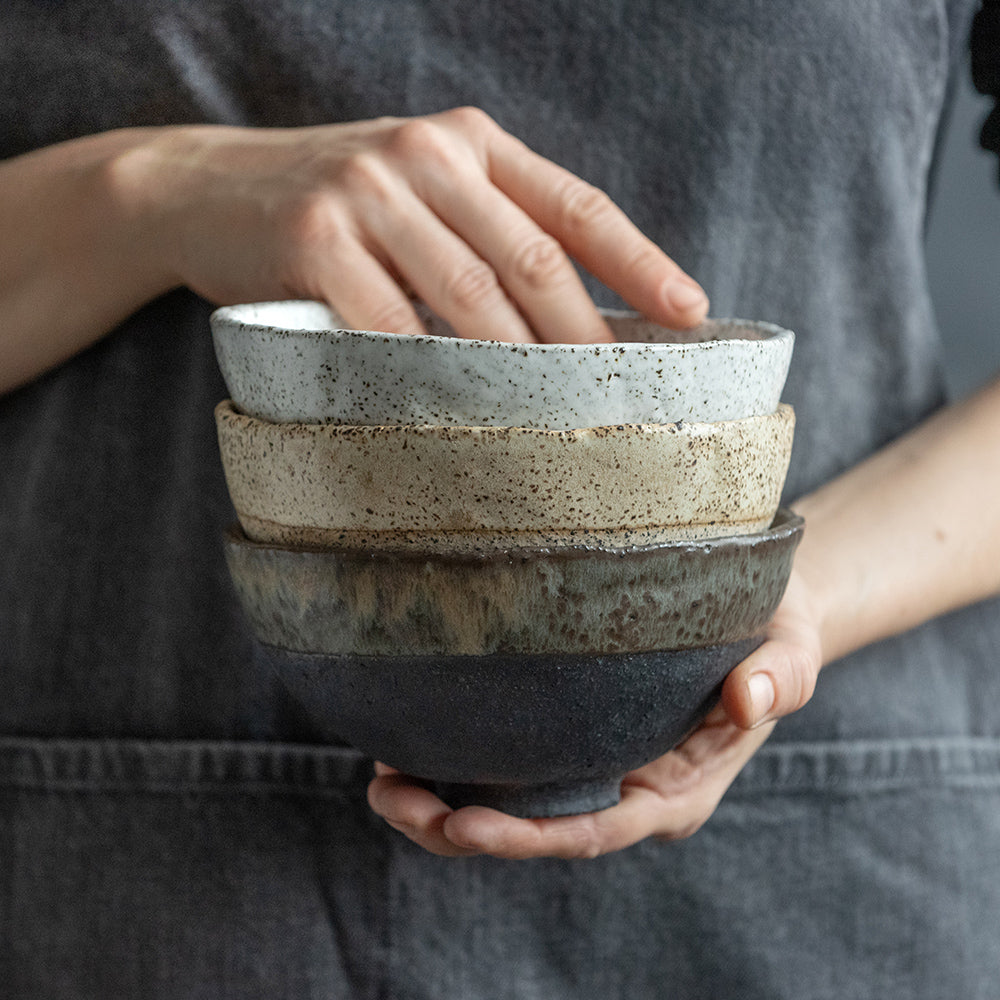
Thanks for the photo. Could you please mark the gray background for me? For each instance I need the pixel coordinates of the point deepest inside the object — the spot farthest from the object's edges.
(963, 251)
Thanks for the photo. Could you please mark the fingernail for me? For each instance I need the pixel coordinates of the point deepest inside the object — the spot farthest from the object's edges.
(686, 295)
(761, 692)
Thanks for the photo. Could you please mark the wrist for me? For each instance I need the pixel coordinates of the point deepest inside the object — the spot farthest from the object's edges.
(200, 201)
(818, 580)
(138, 181)
(887, 546)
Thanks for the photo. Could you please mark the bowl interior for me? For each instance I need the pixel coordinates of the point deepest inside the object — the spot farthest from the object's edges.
(295, 317)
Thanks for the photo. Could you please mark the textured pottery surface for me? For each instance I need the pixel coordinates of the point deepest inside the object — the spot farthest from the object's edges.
(295, 362)
(469, 488)
(531, 734)
(568, 600)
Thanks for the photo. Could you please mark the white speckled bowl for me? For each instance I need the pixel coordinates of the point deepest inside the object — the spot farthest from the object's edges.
(293, 362)
(478, 488)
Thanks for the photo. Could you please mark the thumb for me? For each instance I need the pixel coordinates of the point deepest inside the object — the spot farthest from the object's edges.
(775, 680)
(780, 676)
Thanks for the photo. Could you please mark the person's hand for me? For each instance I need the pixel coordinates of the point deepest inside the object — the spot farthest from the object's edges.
(448, 208)
(670, 798)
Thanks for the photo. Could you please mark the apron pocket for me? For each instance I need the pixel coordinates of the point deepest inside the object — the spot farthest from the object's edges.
(192, 869)
(244, 870)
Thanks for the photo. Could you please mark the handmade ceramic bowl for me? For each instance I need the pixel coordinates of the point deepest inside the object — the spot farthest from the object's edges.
(298, 362)
(575, 599)
(463, 488)
(532, 732)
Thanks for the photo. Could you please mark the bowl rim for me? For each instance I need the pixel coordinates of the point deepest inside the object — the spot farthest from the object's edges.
(786, 527)
(228, 320)
(228, 410)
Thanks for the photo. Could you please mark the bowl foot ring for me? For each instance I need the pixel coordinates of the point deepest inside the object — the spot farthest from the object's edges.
(534, 801)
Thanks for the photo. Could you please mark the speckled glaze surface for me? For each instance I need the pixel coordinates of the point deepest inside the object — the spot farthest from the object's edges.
(469, 488)
(568, 600)
(541, 734)
(297, 362)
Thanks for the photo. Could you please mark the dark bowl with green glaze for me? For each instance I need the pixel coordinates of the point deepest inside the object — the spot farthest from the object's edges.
(568, 599)
(531, 683)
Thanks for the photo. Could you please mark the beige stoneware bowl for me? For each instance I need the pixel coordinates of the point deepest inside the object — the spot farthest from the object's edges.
(469, 489)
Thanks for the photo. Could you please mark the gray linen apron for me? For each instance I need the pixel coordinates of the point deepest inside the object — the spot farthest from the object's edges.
(170, 828)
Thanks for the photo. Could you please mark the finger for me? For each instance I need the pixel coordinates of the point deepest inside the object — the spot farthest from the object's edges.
(670, 799)
(414, 811)
(487, 831)
(775, 680)
(597, 233)
(779, 677)
(532, 267)
(454, 280)
(362, 289)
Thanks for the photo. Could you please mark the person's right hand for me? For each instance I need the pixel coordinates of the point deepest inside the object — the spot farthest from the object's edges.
(448, 208)
(669, 798)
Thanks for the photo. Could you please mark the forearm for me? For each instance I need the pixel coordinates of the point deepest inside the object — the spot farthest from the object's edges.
(363, 215)
(909, 534)
(75, 259)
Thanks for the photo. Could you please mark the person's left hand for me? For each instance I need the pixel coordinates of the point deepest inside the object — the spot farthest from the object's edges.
(669, 798)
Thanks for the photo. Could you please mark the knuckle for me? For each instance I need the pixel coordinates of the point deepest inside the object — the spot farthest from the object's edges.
(422, 140)
(469, 119)
(393, 317)
(472, 287)
(797, 680)
(308, 228)
(539, 262)
(806, 688)
(681, 831)
(583, 841)
(648, 259)
(582, 849)
(365, 175)
(582, 206)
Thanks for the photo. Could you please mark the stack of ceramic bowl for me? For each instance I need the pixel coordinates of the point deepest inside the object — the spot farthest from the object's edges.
(516, 571)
